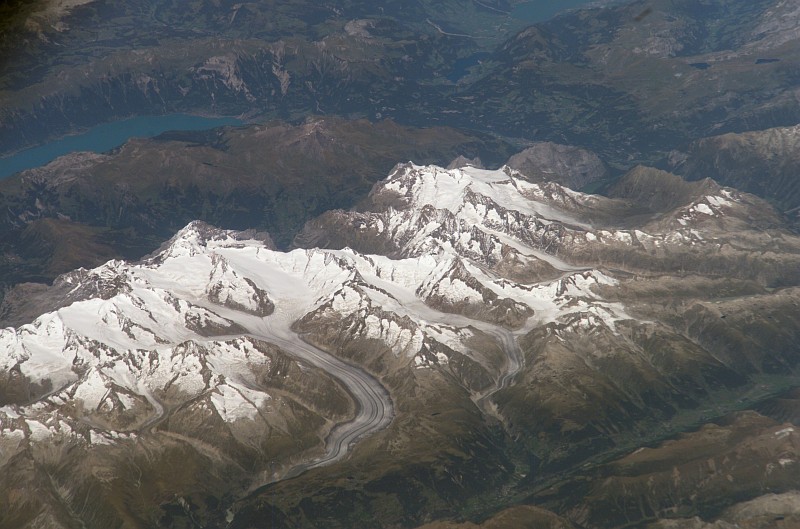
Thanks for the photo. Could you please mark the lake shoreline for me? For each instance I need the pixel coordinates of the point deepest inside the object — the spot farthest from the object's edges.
(111, 135)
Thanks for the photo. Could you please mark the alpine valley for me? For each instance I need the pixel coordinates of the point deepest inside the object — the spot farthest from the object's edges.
(392, 297)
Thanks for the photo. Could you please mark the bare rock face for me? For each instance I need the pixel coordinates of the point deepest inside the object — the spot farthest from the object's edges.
(463, 161)
(229, 289)
(765, 163)
(741, 457)
(454, 289)
(23, 303)
(569, 166)
(771, 511)
(519, 517)
(658, 190)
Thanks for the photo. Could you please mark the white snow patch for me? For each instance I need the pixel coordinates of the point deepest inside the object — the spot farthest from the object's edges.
(452, 338)
(92, 389)
(39, 432)
(99, 438)
(9, 412)
(237, 403)
(783, 433)
(13, 435)
(622, 236)
(704, 209)
(346, 301)
(717, 201)
(400, 339)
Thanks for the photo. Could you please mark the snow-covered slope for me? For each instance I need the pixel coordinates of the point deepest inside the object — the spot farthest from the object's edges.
(537, 231)
(189, 320)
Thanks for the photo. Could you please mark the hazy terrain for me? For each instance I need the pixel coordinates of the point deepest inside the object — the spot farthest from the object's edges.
(389, 298)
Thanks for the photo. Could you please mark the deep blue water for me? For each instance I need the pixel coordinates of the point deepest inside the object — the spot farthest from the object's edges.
(106, 137)
(541, 10)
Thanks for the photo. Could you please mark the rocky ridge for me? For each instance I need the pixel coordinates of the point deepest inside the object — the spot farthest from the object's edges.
(539, 311)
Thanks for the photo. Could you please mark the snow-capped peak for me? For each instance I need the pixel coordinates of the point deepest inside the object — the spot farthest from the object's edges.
(453, 190)
(186, 322)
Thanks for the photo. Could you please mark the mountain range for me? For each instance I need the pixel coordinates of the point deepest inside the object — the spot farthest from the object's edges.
(454, 270)
(471, 334)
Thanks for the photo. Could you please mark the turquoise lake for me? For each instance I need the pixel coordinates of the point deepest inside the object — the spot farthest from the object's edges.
(541, 10)
(108, 136)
